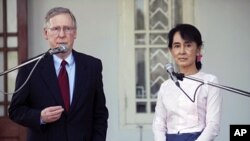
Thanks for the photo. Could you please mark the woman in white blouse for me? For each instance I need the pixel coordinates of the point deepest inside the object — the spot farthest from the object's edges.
(192, 111)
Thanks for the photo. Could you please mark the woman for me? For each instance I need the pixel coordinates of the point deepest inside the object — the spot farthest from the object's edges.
(192, 111)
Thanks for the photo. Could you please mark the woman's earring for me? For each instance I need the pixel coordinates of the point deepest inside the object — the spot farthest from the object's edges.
(198, 57)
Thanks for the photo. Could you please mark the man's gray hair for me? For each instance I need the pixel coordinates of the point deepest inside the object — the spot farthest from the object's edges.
(56, 11)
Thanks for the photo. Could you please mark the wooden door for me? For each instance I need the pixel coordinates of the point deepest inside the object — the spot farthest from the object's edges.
(10, 131)
(13, 50)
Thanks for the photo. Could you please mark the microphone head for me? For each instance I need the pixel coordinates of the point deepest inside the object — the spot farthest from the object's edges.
(170, 70)
(169, 67)
(61, 49)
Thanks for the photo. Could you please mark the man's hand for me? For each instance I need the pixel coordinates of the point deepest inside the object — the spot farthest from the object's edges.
(51, 114)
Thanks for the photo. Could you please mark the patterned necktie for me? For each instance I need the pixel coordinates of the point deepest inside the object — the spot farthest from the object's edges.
(64, 85)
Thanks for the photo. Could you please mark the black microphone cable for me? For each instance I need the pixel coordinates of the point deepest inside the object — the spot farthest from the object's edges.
(192, 100)
(180, 76)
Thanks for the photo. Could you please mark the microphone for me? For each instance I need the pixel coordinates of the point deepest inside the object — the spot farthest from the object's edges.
(170, 70)
(60, 49)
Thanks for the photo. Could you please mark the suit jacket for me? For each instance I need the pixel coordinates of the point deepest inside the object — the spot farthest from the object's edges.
(88, 114)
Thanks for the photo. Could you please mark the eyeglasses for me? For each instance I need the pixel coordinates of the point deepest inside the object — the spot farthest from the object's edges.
(66, 29)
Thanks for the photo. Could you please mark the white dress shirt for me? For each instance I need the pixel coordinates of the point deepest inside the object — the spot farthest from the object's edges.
(70, 67)
(175, 113)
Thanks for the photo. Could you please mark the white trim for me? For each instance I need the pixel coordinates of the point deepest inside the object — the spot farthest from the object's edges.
(127, 75)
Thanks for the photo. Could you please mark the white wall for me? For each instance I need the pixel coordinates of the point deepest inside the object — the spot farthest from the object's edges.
(225, 28)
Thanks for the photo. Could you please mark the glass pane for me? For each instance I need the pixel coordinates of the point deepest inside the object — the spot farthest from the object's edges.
(1, 62)
(12, 62)
(1, 17)
(1, 77)
(159, 57)
(12, 42)
(152, 107)
(178, 11)
(1, 90)
(10, 96)
(11, 16)
(140, 73)
(139, 15)
(140, 39)
(1, 111)
(158, 39)
(11, 82)
(158, 10)
(141, 107)
(1, 42)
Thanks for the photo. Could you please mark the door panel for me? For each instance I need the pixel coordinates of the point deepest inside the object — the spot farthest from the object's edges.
(13, 50)
(10, 131)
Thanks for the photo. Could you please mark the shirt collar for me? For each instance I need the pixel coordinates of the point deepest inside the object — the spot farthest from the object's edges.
(57, 60)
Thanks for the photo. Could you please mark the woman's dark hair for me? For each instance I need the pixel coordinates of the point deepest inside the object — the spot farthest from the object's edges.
(188, 32)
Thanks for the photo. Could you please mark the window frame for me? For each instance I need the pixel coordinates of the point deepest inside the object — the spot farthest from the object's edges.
(127, 74)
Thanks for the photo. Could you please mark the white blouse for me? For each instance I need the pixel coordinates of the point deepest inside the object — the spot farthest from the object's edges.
(175, 113)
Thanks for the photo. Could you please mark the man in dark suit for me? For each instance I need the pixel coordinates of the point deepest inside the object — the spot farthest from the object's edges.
(81, 114)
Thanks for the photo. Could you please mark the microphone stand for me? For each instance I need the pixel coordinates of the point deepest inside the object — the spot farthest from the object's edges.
(61, 49)
(180, 76)
(39, 57)
(23, 64)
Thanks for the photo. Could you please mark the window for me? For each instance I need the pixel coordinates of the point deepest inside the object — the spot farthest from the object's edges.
(144, 25)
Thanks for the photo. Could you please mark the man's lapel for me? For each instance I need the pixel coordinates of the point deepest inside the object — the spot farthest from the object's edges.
(50, 78)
